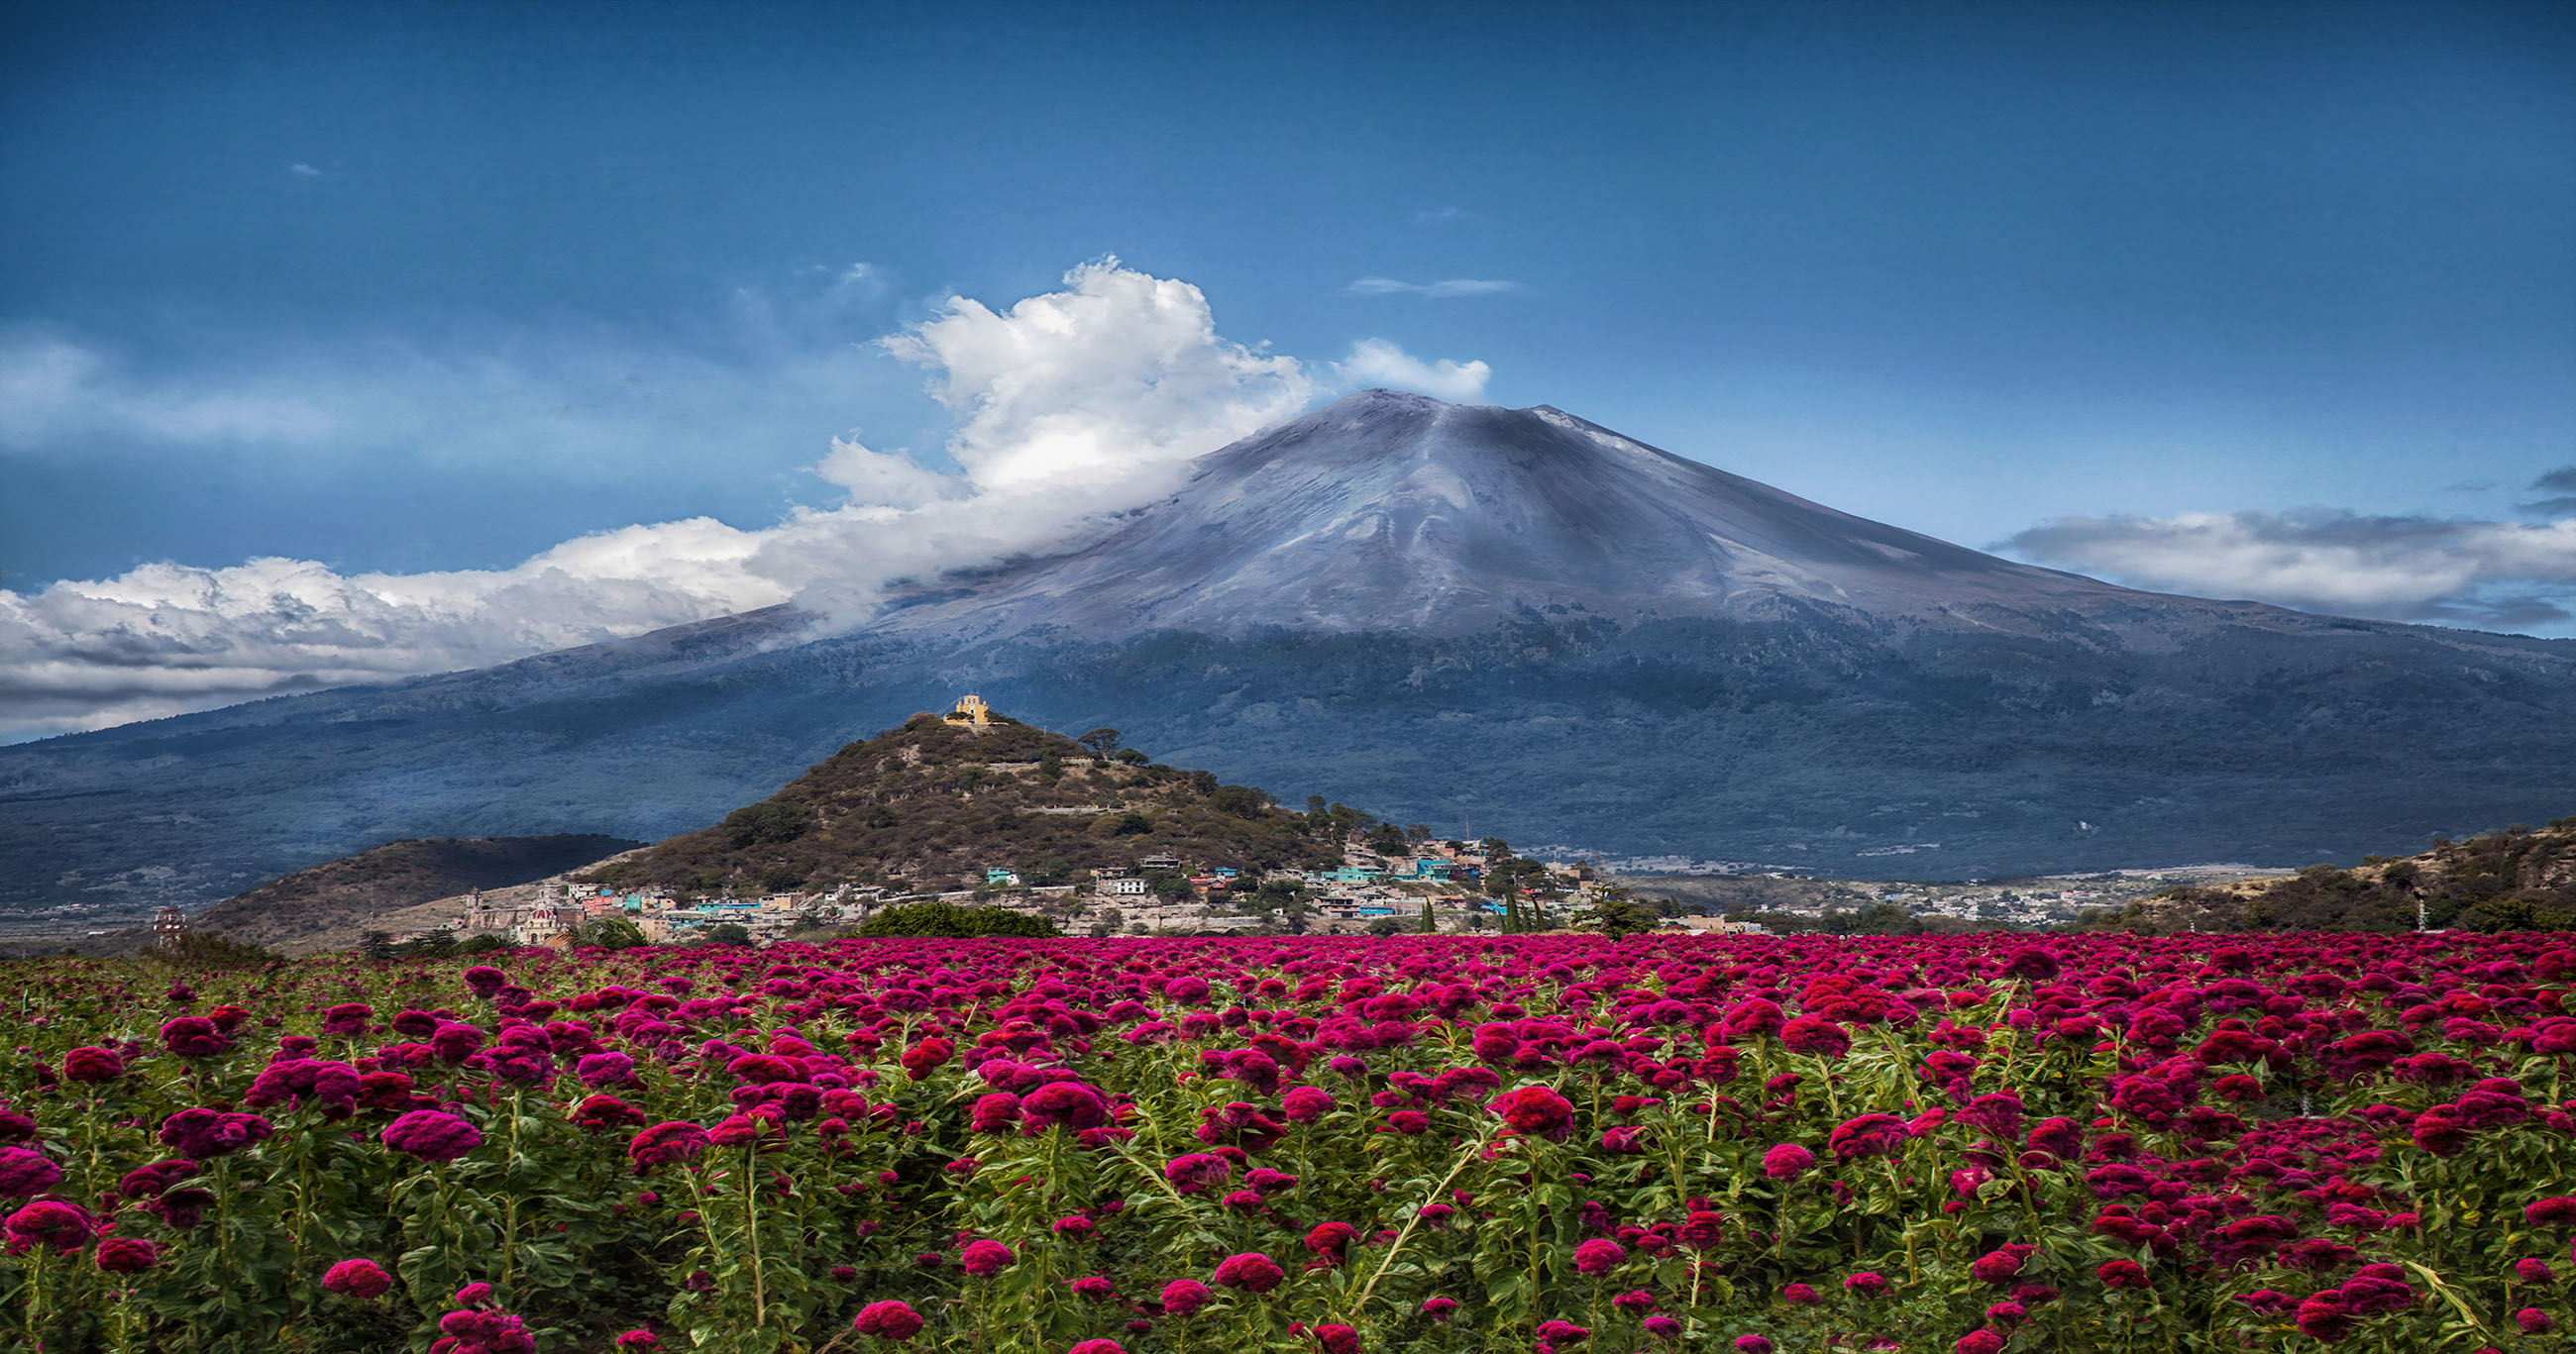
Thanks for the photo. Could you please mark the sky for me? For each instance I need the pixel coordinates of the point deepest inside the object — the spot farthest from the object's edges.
(342, 342)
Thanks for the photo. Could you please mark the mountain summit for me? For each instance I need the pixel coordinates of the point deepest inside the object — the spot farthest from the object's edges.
(1514, 617)
(1388, 511)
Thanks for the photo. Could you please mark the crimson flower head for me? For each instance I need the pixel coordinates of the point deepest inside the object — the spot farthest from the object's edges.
(1537, 1111)
(1335, 1338)
(56, 1226)
(1600, 1255)
(432, 1135)
(984, 1259)
(1097, 1347)
(1815, 1035)
(364, 1280)
(1753, 1344)
(200, 1134)
(1184, 1296)
(93, 1065)
(665, 1143)
(194, 1037)
(1438, 1309)
(1787, 1161)
(2123, 1274)
(639, 1340)
(1980, 1342)
(25, 1174)
(1870, 1135)
(2534, 1321)
(1306, 1104)
(1197, 1172)
(1703, 1230)
(2002, 1263)
(1331, 1240)
(1252, 1271)
(127, 1255)
(888, 1320)
(2557, 1211)
(1866, 1284)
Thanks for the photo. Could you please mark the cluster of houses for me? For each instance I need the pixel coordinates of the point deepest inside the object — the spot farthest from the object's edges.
(1365, 890)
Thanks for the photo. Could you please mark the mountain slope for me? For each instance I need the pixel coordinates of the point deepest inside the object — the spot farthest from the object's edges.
(335, 896)
(934, 804)
(1443, 613)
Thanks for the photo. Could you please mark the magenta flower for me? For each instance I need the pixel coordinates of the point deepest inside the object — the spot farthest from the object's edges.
(58, 1226)
(432, 1135)
(1600, 1255)
(25, 1174)
(1535, 1111)
(1184, 1296)
(127, 1255)
(665, 1143)
(364, 1280)
(1252, 1271)
(1787, 1161)
(984, 1259)
(888, 1319)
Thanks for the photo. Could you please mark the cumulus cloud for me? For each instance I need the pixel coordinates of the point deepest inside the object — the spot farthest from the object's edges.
(2510, 575)
(302, 170)
(1066, 405)
(1433, 291)
(1376, 362)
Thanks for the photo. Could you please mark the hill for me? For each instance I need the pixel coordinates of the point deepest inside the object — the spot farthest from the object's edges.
(325, 905)
(1513, 616)
(932, 805)
(2520, 879)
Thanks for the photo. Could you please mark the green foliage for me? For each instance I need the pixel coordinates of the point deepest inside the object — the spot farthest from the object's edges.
(436, 944)
(1132, 757)
(609, 933)
(485, 943)
(727, 933)
(947, 919)
(1618, 916)
(1102, 741)
(2501, 881)
(771, 820)
(212, 950)
(376, 946)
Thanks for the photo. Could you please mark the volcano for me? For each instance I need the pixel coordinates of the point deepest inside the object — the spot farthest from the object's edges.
(1511, 619)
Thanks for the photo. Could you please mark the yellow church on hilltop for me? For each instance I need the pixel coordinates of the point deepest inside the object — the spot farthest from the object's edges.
(971, 709)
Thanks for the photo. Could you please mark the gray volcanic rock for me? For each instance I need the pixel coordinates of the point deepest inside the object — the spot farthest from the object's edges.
(1431, 612)
(1396, 512)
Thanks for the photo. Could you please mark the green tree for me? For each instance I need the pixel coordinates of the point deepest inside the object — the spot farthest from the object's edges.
(437, 944)
(376, 945)
(770, 820)
(1102, 741)
(1430, 923)
(1132, 757)
(728, 933)
(609, 933)
(1386, 926)
(1050, 767)
(1616, 915)
(483, 944)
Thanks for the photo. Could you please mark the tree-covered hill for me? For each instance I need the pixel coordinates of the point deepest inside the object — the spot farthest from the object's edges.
(2519, 879)
(933, 805)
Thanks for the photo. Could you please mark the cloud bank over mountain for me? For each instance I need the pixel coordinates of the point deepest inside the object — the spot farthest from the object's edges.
(2482, 574)
(1066, 405)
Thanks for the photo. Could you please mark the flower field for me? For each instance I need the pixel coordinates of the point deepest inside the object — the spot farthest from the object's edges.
(1443, 1144)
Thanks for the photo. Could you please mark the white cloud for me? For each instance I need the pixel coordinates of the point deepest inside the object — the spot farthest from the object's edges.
(1434, 291)
(2479, 573)
(1121, 369)
(1070, 404)
(302, 170)
(1377, 362)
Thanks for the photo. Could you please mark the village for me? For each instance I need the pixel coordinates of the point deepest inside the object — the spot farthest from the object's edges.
(1436, 889)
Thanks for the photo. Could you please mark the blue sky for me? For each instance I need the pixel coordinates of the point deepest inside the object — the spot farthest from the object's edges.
(2257, 300)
